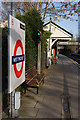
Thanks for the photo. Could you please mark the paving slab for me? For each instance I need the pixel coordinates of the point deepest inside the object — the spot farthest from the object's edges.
(28, 112)
(48, 113)
(28, 103)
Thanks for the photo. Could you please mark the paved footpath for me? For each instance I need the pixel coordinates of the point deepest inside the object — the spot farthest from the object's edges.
(60, 78)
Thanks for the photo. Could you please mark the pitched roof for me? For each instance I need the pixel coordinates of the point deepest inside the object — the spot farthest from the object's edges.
(58, 27)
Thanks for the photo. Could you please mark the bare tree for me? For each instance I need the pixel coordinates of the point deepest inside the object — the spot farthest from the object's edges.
(56, 10)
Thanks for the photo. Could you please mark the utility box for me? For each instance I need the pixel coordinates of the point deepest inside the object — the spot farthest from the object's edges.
(17, 100)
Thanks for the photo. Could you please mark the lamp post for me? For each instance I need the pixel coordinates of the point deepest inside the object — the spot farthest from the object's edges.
(39, 52)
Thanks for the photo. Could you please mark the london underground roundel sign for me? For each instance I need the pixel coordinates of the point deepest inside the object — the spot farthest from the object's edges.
(16, 53)
(18, 58)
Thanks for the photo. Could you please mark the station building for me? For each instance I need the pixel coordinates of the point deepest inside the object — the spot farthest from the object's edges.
(58, 34)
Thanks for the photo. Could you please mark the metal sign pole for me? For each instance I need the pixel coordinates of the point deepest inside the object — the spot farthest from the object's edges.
(13, 112)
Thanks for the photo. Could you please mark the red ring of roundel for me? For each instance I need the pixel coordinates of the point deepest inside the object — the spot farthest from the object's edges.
(18, 44)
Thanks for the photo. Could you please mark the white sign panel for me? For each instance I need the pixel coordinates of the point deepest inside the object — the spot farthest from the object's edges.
(16, 53)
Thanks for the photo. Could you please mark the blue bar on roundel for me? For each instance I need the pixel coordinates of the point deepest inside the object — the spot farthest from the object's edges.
(17, 59)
